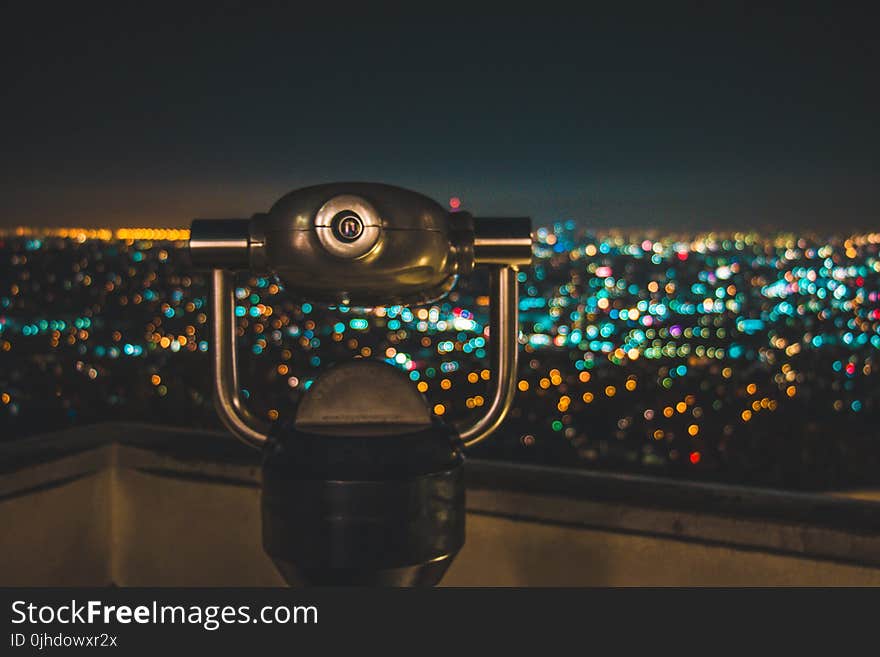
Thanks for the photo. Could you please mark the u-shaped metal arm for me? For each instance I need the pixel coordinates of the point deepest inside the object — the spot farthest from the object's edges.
(227, 401)
(503, 353)
(504, 348)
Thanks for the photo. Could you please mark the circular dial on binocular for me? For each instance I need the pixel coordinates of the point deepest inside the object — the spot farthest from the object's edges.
(348, 226)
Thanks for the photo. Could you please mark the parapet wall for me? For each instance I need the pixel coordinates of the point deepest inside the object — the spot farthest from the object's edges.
(132, 505)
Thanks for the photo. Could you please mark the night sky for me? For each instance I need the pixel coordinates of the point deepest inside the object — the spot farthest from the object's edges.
(693, 120)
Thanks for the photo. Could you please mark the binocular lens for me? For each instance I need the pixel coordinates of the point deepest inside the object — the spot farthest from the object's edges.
(347, 226)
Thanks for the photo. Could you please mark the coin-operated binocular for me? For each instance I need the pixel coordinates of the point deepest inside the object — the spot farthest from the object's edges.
(365, 486)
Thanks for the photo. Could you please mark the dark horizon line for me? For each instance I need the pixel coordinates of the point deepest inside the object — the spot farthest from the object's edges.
(593, 226)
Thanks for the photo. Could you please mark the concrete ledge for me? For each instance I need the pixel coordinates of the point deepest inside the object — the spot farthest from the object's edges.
(140, 505)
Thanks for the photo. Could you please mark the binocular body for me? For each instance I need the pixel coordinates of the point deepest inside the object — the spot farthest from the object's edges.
(361, 243)
(365, 486)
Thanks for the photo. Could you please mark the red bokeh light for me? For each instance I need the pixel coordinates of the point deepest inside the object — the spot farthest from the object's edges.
(695, 457)
(455, 203)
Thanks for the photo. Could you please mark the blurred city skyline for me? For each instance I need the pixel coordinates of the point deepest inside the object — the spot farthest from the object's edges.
(748, 358)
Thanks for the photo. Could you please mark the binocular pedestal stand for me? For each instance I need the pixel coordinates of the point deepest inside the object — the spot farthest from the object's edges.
(363, 488)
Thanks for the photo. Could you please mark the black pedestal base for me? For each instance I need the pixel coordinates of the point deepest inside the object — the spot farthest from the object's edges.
(369, 510)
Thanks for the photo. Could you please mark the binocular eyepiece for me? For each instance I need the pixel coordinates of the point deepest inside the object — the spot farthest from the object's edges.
(364, 486)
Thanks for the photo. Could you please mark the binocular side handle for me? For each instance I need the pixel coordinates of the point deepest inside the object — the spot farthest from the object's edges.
(227, 402)
(503, 353)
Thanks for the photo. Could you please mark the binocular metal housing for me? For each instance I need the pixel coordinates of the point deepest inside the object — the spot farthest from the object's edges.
(364, 486)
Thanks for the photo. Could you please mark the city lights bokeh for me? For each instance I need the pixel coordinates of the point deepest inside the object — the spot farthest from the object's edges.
(736, 356)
